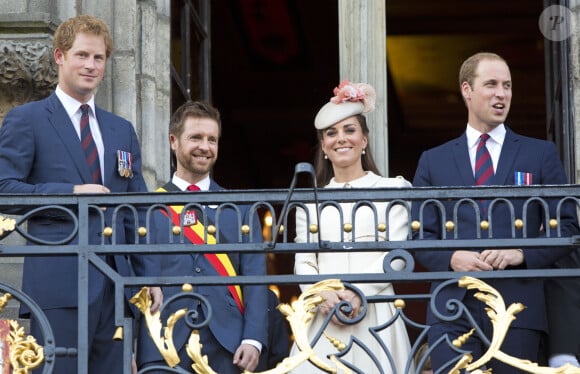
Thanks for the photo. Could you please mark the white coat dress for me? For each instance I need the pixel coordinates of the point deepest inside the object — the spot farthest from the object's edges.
(395, 337)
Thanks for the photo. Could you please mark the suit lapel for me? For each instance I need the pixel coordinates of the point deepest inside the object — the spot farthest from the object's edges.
(65, 130)
(507, 157)
(461, 157)
(107, 128)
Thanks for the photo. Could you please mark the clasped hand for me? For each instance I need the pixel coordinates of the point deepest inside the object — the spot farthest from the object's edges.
(331, 298)
(489, 259)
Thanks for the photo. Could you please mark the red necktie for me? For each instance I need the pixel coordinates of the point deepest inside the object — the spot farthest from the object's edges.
(483, 168)
(483, 163)
(90, 147)
(192, 188)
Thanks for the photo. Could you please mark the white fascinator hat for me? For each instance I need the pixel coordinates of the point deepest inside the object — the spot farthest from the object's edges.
(350, 99)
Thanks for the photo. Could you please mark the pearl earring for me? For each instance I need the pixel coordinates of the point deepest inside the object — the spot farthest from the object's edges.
(364, 152)
(325, 156)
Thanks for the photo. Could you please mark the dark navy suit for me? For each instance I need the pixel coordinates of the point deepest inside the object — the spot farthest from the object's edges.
(40, 153)
(449, 165)
(228, 326)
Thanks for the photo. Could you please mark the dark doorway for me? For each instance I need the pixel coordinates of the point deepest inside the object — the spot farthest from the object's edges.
(274, 64)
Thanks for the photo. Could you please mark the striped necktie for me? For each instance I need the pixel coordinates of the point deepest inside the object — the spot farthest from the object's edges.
(483, 168)
(483, 164)
(89, 146)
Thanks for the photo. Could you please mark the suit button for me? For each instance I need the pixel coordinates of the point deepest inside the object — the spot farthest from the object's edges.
(197, 270)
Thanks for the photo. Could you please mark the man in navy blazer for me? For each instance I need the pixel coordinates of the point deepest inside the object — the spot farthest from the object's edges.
(486, 86)
(237, 330)
(41, 153)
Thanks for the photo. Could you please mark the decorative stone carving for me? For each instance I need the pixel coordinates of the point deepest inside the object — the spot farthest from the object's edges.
(27, 71)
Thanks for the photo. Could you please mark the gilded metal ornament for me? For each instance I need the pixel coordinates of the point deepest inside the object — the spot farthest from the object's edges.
(142, 300)
(118, 336)
(245, 229)
(6, 225)
(449, 225)
(519, 224)
(382, 227)
(302, 311)
(24, 352)
(176, 230)
(313, 228)
(553, 223)
(484, 225)
(399, 304)
(299, 316)
(142, 231)
(347, 227)
(501, 319)
(211, 229)
(108, 232)
(415, 225)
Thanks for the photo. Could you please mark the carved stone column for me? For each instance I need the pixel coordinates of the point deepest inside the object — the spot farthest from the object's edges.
(27, 70)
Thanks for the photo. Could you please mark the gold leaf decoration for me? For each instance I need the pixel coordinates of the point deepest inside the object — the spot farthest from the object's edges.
(6, 224)
(501, 319)
(25, 353)
(142, 300)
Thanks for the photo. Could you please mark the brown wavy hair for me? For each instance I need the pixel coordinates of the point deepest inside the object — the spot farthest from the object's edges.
(67, 31)
(323, 167)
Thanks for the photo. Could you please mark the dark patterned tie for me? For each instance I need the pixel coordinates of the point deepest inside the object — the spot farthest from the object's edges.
(483, 168)
(89, 146)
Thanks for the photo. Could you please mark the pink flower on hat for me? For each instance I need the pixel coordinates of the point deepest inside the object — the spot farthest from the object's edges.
(354, 92)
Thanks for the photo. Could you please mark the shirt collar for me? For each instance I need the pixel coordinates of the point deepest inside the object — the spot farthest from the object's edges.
(182, 184)
(497, 135)
(71, 105)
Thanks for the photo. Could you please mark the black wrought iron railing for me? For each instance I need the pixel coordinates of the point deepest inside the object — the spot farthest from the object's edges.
(281, 204)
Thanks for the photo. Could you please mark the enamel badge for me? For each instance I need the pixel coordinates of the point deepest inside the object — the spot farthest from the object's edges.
(189, 218)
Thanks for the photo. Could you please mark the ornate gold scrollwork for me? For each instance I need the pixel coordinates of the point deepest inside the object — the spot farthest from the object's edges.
(24, 353)
(298, 315)
(142, 300)
(501, 319)
(302, 311)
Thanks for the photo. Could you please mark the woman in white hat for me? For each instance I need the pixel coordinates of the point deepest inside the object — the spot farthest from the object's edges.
(344, 160)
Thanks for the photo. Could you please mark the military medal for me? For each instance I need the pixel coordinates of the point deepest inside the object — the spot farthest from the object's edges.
(124, 164)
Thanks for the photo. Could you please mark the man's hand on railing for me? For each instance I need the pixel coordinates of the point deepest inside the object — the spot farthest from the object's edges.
(502, 258)
(156, 298)
(90, 188)
(468, 261)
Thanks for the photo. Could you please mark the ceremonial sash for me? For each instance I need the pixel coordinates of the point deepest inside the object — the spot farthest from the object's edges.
(220, 261)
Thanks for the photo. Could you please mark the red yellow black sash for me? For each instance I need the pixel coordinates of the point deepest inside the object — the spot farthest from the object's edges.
(220, 261)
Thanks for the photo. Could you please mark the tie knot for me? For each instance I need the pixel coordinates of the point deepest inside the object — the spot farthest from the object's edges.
(84, 109)
(484, 137)
(192, 187)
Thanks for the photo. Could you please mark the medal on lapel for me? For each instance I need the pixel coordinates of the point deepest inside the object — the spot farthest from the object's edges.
(124, 164)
